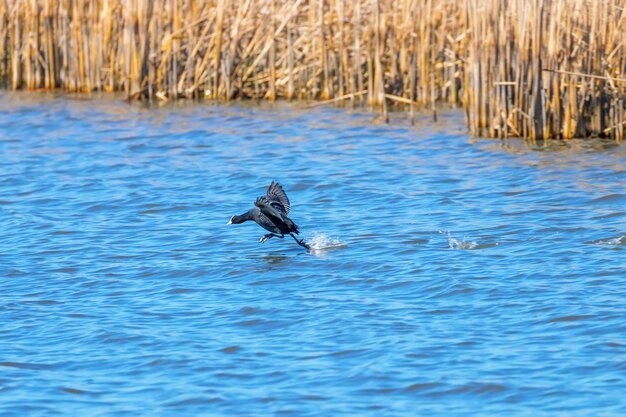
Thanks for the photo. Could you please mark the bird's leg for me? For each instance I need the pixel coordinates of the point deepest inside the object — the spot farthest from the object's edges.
(269, 236)
(300, 242)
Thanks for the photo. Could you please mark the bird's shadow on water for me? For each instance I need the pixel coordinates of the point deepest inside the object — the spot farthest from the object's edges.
(276, 259)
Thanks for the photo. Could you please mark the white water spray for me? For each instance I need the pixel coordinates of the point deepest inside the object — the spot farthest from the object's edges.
(321, 241)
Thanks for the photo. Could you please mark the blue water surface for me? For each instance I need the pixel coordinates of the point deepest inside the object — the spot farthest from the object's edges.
(448, 276)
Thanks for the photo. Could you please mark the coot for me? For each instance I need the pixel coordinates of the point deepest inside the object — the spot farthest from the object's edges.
(271, 212)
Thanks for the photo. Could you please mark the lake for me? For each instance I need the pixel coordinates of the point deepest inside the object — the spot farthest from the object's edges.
(448, 275)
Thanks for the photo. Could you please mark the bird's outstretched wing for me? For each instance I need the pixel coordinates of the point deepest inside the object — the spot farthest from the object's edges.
(277, 198)
(276, 216)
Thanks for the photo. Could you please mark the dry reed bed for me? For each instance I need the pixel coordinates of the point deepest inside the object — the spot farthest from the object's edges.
(532, 68)
(546, 69)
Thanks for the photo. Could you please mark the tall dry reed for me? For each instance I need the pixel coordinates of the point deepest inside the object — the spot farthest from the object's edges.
(533, 68)
(546, 68)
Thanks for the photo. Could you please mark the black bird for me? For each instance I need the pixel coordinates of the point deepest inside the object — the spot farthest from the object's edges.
(271, 213)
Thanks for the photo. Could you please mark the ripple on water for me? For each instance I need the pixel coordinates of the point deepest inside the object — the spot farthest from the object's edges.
(610, 199)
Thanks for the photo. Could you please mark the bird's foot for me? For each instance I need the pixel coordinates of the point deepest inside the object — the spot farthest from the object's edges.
(301, 242)
(269, 236)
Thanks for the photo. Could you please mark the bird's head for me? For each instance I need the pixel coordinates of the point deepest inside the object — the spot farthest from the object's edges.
(236, 219)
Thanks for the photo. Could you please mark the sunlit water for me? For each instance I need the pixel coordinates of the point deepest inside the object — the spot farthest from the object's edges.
(448, 276)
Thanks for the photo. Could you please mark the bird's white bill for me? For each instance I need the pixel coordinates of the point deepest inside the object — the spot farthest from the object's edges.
(230, 222)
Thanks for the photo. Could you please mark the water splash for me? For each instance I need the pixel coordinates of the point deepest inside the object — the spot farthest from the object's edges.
(462, 244)
(320, 241)
(454, 243)
(615, 241)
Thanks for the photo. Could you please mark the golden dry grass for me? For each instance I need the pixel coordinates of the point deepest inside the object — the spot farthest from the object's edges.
(531, 68)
